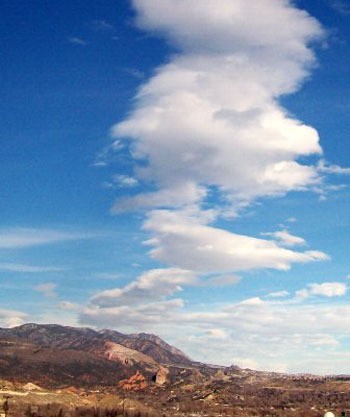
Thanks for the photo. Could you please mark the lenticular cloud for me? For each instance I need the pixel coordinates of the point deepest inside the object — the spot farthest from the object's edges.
(209, 136)
(209, 121)
(210, 117)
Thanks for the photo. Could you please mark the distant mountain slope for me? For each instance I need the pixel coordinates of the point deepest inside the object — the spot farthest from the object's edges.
(54, 355)
(150, 345)
(55, 336)
(51, 367)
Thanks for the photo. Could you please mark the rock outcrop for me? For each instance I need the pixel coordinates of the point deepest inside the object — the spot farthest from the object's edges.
(162, 376)
(136, 382)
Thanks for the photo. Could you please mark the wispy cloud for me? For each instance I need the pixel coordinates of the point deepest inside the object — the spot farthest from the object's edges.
(325, 168)
(101, 25)
(340, 6)
(326, 289)
(121, 181)
(284, 238)
(69, 306)
(224, 280)
(47, 289)
(278, 294)
(26, 237)
(108, 275)
(107, 155)
(152, 285)
(77, 41)
(134, 72)
(13, 267)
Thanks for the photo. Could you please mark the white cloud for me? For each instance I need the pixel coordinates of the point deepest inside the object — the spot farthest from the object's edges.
(119, 181)
(77, 41)
(278, 294)
(11, 318)
(325, 168)
(223, 280)
(326, 289)
(209, 122)
(216, 334)
(141, 316)
(101, 26)
(234, 25)
(134, 72)
(24, 237)
(108, 275)
(179, 196)
(125, 181)
(284, 238)
(28, 268)
(210, 117)
(67, 305)
(183, 241)
(47, 289)
(150, 286)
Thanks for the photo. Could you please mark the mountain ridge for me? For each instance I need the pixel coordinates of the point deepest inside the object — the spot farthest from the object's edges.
(53, 355)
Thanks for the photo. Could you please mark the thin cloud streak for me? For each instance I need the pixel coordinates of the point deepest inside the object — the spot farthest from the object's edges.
(13, 267)
(25, 237)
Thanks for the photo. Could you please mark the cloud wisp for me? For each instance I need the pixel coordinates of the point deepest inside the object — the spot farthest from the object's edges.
(47, 289)
(77, 41)
(326, 289)
(15, 238)
(14, 267)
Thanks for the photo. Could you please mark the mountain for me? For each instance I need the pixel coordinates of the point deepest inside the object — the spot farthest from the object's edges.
(150, 345)
(65, 337)
(21, 361)
(55, 355)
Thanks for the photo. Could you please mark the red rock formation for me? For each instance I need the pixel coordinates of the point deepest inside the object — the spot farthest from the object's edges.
(136, 382)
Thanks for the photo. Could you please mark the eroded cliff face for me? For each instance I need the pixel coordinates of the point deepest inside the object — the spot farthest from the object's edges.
(161, 377)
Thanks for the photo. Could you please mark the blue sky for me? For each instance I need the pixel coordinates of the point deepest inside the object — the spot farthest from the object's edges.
(185, 175)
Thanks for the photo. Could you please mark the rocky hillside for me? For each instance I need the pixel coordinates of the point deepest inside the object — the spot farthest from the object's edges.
(97, 342)
(54, 355)
(27, 362)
